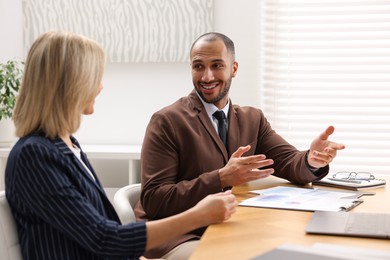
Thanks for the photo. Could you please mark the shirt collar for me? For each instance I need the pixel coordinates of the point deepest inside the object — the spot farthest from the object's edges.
(211, 108)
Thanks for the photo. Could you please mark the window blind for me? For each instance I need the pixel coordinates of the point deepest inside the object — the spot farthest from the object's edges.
(328, 63)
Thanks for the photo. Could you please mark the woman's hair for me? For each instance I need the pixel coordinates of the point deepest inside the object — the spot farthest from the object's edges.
(62, 73)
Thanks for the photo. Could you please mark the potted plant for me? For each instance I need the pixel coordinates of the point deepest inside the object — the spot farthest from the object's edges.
(10, 77)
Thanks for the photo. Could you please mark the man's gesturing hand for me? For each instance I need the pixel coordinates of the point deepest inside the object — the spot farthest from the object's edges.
(240, 169)
(322, 151)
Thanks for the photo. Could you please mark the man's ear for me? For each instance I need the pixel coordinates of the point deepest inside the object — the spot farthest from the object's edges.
(235, 68)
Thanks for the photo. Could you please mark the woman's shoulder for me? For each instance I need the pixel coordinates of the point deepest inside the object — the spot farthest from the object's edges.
(36, 141)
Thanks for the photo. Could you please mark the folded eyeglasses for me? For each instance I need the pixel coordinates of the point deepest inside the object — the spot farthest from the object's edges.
(359, 176)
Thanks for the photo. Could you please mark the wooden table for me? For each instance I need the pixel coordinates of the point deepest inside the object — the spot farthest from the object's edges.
(253, 231)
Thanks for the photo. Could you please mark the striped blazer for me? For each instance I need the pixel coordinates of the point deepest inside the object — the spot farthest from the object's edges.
(61, 212)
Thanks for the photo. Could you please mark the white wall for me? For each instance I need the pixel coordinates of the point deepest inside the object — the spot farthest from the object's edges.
(132, 92)
(11, 44)
(240, 21)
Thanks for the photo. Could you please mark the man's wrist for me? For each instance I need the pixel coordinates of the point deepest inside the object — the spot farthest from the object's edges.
(311, 168)
(224, 185)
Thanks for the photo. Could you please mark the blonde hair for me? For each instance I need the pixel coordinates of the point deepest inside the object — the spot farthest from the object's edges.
(62, 73)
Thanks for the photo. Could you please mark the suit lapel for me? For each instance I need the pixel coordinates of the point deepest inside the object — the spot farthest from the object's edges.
(233, 131)
(87, 177)
(65, 149)
(205, 121)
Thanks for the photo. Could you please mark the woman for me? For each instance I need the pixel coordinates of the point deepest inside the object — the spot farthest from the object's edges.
(58, 203)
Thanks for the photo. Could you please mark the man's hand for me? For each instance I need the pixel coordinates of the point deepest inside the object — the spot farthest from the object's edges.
(322, 151)
(240, 170)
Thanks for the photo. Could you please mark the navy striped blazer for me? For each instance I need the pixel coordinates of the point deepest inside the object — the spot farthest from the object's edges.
(60, 211)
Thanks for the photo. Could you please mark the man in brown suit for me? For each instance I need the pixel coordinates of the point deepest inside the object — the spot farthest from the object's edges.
(184, 158)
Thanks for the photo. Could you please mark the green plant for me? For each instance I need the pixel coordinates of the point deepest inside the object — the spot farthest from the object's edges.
(10, 77)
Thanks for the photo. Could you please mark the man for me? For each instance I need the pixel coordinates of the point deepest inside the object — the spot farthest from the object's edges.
(184, 159)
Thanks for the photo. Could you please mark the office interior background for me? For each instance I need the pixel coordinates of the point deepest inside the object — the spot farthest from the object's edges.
(307, 64)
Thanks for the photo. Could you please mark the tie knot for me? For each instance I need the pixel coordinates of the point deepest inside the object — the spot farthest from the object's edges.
(219, 115)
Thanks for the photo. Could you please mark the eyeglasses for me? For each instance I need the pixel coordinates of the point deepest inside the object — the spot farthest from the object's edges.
(358, 176)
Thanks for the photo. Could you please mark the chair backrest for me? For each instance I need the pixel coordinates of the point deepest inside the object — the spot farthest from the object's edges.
(9, 241)
(124, 201)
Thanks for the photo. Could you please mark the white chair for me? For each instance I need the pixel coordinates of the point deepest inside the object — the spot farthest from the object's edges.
(124, 201)
(9, 241)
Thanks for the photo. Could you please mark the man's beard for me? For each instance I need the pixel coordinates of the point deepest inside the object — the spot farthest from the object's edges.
(220, 96)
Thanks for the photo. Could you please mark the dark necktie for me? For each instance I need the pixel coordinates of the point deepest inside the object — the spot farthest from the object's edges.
(222, 126)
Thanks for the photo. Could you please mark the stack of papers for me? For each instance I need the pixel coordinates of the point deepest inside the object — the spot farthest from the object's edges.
(282, 197)
(322, 251)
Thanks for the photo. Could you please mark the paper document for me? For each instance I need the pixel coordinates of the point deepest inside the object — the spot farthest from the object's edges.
(282, 197)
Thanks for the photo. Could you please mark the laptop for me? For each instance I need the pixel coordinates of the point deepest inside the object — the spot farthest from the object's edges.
(376, 225)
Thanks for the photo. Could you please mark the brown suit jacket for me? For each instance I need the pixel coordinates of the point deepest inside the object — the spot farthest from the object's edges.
(182, 153)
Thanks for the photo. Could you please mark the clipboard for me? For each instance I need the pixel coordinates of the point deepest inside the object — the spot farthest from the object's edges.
(305, 199)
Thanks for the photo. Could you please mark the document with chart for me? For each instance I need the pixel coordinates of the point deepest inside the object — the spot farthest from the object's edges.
(306, 199)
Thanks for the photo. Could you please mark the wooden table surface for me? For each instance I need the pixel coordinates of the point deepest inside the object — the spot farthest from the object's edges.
(253, 231)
